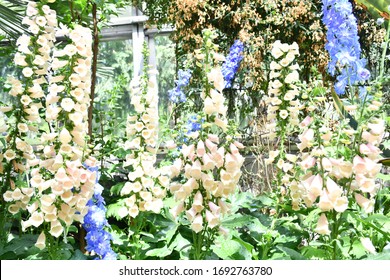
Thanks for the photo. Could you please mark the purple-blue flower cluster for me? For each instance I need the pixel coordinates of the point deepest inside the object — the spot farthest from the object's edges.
(343, 45)
(193, 124)
(177, 95)
(232, 63)
(98, 240)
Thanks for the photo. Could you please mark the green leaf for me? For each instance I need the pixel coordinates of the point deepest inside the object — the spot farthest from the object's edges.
(10, 255)
(72, 228)
(343, 113)
(257, 227)
(377, 8)
(248, 247)
(385, 161)
(78, 255)
(314, 253)
(159, 252)
(382, 220)
(292, 253)
(20, 245)
(112, 210)
(267, 201)
(116, 189)
(226, 249)
(380, 256)
(237, 220)
(118, 235)
(358, 249)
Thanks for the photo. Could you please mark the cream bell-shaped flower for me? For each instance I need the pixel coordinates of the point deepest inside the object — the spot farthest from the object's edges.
(65, 136)
(41, 242)
(334, 190)
(133, 211)
(56, 228)
(200, 149)
(341, 204)
(197, 205)
(197, 223)
(276, 51)
(177, 210)
(191, 214)
(365, 203)
(212, 220)
(314, 186)
(36, 219)
(216, 77)
(196, 170)
(322, 225)
(215, 209)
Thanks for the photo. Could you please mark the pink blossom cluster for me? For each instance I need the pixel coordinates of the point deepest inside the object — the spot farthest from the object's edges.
(147, 184)
(330, 180)
(211, 174)
(209, 168)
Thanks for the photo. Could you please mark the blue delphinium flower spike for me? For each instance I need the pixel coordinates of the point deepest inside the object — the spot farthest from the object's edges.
(98, 240)
(177, 95)
(343, 45)
(232, 62)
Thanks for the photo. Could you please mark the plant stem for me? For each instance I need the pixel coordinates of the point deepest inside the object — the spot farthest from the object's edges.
(383, 58)
(334, 234)
(95, 50)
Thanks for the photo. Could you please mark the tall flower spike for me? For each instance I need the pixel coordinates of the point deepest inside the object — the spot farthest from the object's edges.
(98, 239)
(343, 45)
(177, 95)
(232, 63)
(146, 186)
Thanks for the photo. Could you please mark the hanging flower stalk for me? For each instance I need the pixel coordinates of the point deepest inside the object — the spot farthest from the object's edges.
(283, 110)
(146, 186)
(33, 56)
(60, 185)
(210, 165)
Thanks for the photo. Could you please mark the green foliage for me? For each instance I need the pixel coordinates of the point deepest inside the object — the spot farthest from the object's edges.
(23, 247)
(377, 8)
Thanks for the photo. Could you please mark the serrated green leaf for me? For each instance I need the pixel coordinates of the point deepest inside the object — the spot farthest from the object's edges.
(226, 249)
(380, 219)
(10, 255)
(266, 201)
(249, 247)
(20, 245)
(112, 210)
(116, 189)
